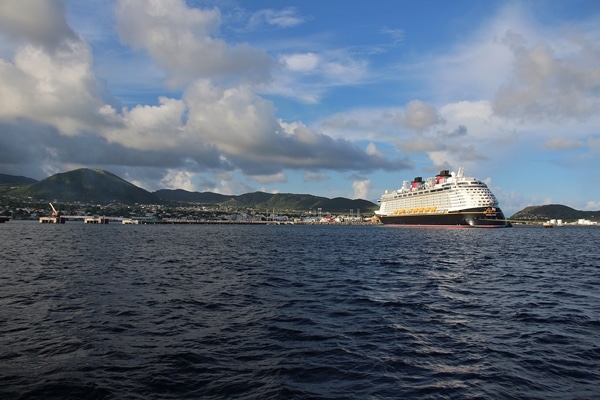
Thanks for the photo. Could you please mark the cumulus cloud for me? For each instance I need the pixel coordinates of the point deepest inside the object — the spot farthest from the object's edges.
(419, 116)
(548, 84)
(214, 126)
(49, 81)
(54, 113)
(40, 22)
(182, 41)
(372, 150)
(361, 189)
(178, 179)
(391, 125)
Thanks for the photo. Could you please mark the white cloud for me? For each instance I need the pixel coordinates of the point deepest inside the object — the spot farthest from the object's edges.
(361, 189)
(548, 85)
(475, 67)
(271, 178)
(344, 71)
(302, 62)
(419, 116)
(488, 97)
(397, 35)
(39, 22)
(150, 127)
(234, 120)
(382, 124)
(592, 206)
(372, 150)
(53, 86)
(178, 179)
(308, 76)
(181, 40)
(421, 144)
(314, 177)
(285, 18)
(218, 124)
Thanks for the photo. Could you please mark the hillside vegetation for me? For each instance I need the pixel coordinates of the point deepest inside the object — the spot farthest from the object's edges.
(15, 180)
(268, 201)
(99, 186)
(86, 185)
(554, 211)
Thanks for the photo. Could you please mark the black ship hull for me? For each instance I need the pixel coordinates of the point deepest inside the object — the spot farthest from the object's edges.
(470, 218)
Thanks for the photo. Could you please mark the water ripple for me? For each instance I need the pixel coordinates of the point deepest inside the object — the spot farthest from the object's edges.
(298, 312)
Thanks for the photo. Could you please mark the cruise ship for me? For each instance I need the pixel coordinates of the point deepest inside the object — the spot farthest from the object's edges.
(448, 199)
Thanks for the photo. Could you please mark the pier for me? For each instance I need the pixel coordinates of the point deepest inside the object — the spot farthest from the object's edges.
(101, 220)
(53, 220)
(95, 220)
(216, 222)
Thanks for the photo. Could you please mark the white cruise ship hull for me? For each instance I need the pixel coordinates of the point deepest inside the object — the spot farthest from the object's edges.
(470, 218)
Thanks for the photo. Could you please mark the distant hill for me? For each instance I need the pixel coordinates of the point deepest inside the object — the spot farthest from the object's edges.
(15, 180)
(86, 185)
(99, 186)
(554, 211)
(262, 200)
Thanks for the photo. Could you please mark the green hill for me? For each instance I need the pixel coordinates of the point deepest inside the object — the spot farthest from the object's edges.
(15, 180)
(98, 186)
(554, 211)
(86, 185)
(267, 201)
(9, 183)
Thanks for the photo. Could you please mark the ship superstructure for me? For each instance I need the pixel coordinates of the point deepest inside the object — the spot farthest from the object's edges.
(448, 199)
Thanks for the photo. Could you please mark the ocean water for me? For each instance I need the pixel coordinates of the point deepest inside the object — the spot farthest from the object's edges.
(298, 312)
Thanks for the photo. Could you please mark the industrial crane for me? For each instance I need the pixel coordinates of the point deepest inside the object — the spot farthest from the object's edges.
(54, 212)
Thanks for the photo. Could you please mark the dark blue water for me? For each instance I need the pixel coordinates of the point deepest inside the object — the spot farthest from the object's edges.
(298, 312)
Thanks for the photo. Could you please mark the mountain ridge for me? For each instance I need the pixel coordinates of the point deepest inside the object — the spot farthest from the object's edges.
(280, 201)
(97, 185)
(86, 185)
(100, 186)
(15, 180)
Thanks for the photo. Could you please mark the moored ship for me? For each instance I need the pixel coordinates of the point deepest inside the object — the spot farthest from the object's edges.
(448, 199)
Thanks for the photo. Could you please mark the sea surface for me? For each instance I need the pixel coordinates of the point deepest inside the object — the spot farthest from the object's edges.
(298, 312)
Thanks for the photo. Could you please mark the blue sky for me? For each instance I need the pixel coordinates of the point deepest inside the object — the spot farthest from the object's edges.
(331, 98)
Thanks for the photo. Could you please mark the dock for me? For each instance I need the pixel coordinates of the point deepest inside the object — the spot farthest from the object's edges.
(95, 220)
(98, 220)
(53, 220)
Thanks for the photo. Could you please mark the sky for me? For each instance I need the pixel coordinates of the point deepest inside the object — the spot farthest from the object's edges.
(330, 98)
